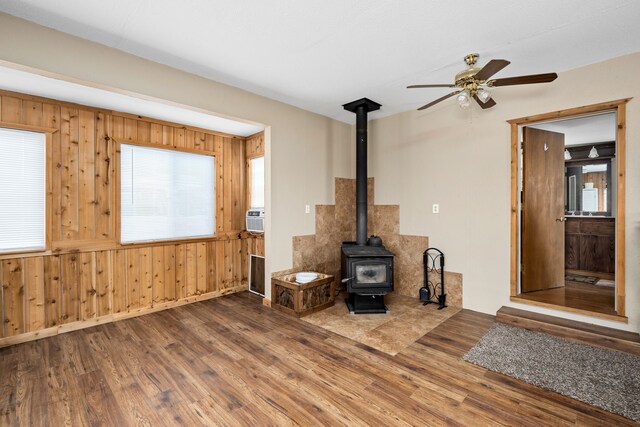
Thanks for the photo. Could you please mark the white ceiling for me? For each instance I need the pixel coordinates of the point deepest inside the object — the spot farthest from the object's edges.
(35, 84)
(584, 130)
(320, 54)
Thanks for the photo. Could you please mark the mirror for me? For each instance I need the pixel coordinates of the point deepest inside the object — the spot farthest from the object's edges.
(588, 189)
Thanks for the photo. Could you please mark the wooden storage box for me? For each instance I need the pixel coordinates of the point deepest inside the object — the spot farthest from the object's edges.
(302, 299)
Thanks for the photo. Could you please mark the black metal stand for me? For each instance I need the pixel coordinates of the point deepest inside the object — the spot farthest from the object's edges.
(433, 260)
(366, 304)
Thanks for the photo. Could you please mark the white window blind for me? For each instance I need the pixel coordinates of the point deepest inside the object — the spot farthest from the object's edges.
(22, 190)
(165, 194)
(257, 182)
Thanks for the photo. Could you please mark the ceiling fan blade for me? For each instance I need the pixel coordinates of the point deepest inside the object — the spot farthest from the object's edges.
(524, 80)
(491, 68)
(439, 100)
(490, 102)
(419, 86)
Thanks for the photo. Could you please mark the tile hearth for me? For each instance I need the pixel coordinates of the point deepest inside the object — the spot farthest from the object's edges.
(407, 321)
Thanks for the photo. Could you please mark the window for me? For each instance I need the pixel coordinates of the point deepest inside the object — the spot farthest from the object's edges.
(257, 182)
(165, 194)
(22, 190)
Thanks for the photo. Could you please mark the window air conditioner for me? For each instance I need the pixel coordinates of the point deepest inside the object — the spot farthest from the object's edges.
(255, 220)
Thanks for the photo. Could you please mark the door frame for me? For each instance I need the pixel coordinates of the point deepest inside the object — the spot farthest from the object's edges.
(618, 106)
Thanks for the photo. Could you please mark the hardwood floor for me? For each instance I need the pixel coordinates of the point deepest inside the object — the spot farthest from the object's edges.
(581, 296)
(233, 361)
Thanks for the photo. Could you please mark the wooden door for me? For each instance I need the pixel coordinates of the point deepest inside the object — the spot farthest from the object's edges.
(542, 210)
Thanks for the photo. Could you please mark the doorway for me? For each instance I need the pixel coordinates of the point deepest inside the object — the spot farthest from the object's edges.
(567, 226)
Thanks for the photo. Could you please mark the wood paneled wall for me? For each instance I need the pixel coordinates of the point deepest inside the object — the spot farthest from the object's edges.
(85, 276)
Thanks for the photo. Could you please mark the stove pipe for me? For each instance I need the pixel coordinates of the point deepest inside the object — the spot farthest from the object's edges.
(361, 107)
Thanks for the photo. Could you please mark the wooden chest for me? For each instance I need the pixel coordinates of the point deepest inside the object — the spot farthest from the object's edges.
(302, 299)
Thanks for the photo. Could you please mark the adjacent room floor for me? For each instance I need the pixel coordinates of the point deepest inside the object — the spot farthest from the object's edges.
(232, 361)
(578, 295)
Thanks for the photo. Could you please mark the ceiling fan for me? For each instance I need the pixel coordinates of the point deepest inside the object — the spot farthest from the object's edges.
(473, 82)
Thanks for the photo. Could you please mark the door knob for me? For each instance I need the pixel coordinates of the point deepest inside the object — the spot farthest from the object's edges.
(561, 219)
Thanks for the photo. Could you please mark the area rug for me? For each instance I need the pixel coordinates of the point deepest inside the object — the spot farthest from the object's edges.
(591, 280)
(407, 321)
(601, 377)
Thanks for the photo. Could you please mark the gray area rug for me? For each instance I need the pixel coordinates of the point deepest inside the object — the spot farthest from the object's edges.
(601, 377)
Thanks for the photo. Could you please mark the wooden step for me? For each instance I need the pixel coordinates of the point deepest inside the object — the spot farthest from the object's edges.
(571, 330)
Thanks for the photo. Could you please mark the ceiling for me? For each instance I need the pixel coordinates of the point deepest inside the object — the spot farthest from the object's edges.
(584, 130)
(320, 54)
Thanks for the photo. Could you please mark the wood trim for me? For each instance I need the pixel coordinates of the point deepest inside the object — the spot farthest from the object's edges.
(620, 214)
(48, 185)
(619, 106)
(182, 126)
(249, 182)
(266, 302)
(593, 108)
(513, 275)
(19, 126)
(83, 246)
(83, 324)
(167, 147)
(117, 203)
(613, 317)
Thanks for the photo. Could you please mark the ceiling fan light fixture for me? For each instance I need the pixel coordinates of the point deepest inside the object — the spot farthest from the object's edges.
(593, 153)
(484, 95)
(463, 99)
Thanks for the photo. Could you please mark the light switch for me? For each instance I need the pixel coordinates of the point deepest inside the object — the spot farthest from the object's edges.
(436, 208)
(307, 209)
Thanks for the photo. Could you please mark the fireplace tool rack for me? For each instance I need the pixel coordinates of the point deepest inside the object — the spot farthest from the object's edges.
(433, 260)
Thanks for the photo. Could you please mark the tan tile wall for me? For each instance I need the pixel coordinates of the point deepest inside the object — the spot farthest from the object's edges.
(337, 223)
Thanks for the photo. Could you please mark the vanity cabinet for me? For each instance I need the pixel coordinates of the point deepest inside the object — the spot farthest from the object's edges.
(590, 244)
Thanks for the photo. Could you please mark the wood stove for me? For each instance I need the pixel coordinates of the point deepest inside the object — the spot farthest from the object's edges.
(367, 267)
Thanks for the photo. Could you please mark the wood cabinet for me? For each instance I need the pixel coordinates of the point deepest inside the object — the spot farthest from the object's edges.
(590, 244)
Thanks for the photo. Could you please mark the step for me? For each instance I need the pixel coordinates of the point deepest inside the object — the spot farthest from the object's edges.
(571, 330)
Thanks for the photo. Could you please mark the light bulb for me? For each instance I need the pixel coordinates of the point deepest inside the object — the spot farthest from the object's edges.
(567, 154)
(484, 95)
(593, 153)
(463, 99)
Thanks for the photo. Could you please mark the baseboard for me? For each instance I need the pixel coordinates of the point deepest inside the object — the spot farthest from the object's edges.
(89, 323)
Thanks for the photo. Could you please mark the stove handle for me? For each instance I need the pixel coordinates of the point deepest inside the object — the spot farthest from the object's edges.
(347, 279)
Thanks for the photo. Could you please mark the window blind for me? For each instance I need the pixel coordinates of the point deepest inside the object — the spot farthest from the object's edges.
(165, 194)
(22, 190)
(257, 182)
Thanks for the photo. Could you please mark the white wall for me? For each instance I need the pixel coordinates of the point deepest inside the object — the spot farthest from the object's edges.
(461, 160)
(307, 150)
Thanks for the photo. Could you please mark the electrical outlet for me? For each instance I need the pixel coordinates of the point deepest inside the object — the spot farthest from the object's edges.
(307, 209)
(436, 208)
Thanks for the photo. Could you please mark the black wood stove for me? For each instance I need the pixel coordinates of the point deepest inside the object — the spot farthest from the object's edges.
(367, 267)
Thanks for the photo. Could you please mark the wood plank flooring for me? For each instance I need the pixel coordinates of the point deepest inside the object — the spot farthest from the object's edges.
(581, 296)
(232, 361)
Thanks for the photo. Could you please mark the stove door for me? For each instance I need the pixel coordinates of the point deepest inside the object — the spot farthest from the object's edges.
(372, 275)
